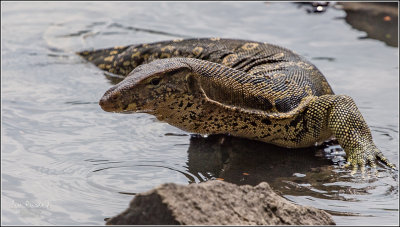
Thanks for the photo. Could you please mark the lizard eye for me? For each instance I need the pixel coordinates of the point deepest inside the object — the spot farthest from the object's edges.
(155, 81)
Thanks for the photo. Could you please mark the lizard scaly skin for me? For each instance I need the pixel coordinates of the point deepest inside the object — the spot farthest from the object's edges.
(247, 89)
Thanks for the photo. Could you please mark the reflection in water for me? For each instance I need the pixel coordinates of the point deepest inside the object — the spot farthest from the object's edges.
(298, 172)
(314, 7)
(243, 161)
(378, 19)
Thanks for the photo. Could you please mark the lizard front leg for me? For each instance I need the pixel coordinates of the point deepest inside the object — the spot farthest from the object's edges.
(347, 124)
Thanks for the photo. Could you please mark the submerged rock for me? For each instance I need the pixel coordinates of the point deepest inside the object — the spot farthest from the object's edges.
(217, 203)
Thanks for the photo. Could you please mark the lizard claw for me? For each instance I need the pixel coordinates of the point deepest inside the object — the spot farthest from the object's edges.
(354, 171)
(361, 159)
(385, 161)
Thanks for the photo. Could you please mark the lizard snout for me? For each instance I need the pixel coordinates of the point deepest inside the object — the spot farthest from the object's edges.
(109, 101)
(106, 105)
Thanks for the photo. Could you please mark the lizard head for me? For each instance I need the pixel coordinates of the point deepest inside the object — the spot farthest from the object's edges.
(147, 87)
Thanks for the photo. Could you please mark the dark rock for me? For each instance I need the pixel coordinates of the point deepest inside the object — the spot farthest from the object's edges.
(217, 203)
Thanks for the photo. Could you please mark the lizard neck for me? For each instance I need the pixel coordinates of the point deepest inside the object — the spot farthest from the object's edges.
(191, 113)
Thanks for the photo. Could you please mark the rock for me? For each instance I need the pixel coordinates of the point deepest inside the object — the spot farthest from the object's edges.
(217, 203)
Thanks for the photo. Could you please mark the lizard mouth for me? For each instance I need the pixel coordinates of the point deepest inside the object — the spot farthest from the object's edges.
(143, 111)
(135, 111)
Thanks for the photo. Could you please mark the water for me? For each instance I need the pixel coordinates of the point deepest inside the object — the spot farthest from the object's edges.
(66, 162)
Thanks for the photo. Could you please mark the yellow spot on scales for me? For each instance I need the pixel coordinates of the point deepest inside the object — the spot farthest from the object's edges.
(131, 106)
(278, 56)
(136, 54)
(249, 46)
(168, 47)
(197, 50)
(110, 58)
(165, 55)
(229, 59)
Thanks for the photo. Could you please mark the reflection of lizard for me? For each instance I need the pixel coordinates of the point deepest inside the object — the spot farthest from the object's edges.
(247, 89)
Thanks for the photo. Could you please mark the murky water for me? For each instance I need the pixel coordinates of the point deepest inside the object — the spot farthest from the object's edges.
(65, 161)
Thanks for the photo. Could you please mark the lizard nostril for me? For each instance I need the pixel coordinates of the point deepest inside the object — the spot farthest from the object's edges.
(115, 96)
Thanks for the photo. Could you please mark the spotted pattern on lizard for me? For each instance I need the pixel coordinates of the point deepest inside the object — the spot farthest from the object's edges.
(244, 88)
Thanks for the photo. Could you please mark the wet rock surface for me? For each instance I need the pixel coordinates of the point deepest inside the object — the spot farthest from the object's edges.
(217, 203)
